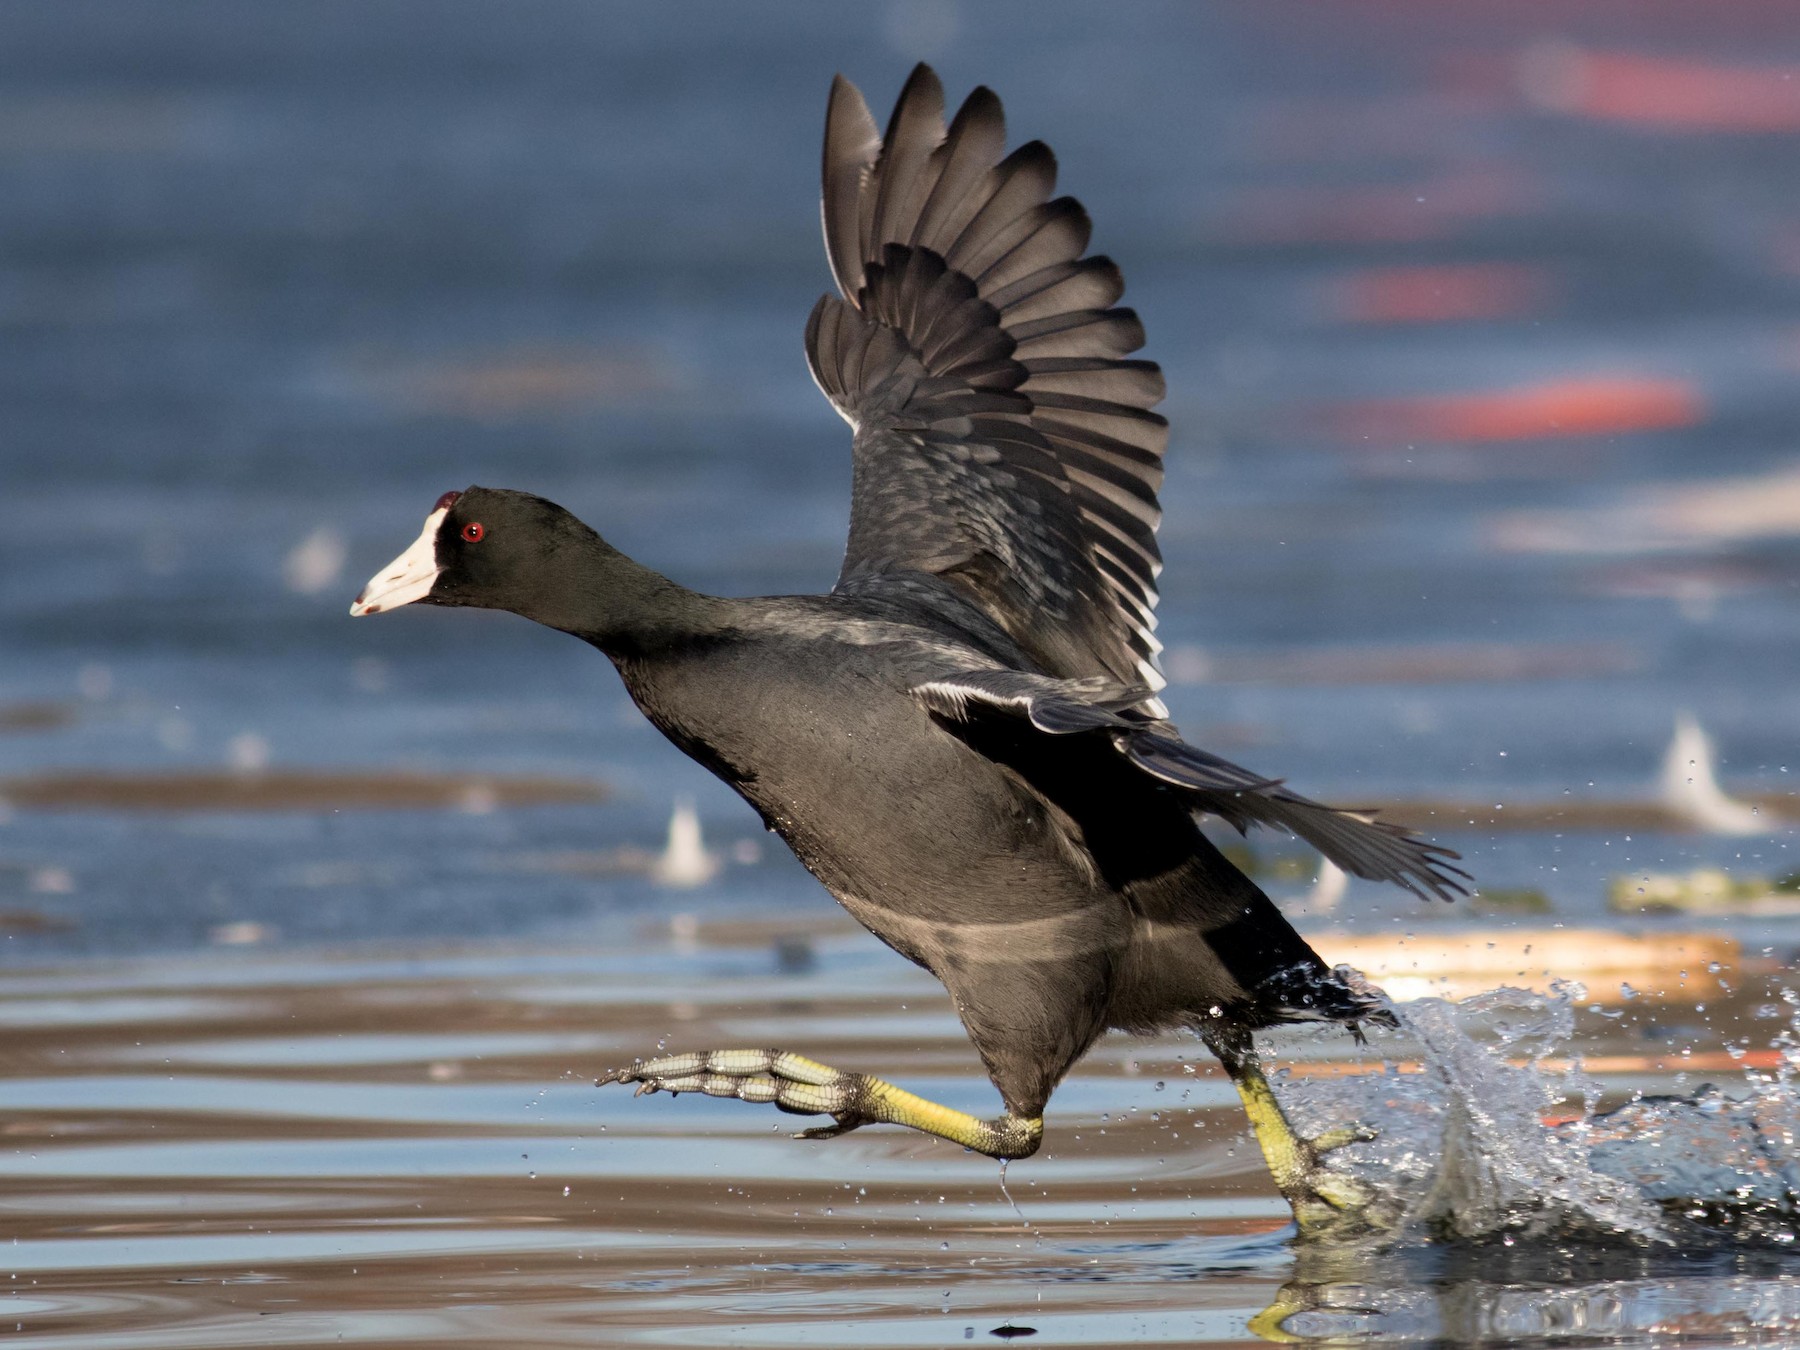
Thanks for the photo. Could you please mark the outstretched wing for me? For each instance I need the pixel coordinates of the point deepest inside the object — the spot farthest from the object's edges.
(1354, 840)
(1003, 442)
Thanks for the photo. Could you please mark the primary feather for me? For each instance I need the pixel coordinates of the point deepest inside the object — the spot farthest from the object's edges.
(1003, 442)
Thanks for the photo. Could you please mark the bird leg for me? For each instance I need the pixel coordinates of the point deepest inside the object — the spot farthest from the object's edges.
(1325, 1202)
(806, 1087)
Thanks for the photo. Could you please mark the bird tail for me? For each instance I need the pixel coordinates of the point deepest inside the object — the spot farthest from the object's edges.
(1308, 992)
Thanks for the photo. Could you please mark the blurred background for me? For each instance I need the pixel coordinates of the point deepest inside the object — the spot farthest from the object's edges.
(1481, 327)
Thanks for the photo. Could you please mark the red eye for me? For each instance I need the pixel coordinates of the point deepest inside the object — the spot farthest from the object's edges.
(473, 532)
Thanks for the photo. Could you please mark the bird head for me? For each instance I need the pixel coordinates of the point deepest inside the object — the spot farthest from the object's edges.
(485, 547)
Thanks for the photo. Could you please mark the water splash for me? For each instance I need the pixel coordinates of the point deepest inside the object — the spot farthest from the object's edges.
(1501, 1167)
(1726, 1163)
(1493, 1140)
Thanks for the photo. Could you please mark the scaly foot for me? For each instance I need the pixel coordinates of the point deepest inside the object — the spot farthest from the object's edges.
(1325, 1201)
(806, 1087)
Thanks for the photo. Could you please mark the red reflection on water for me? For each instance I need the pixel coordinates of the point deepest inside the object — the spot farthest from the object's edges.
(1438, 294)
(1673, 94)
(1594, 406)
(1380, 213)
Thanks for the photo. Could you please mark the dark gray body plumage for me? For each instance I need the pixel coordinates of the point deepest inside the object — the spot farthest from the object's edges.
(1056, 890)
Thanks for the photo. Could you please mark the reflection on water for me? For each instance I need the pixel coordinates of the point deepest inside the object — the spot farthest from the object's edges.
(411, 1152)
(1573, 1293)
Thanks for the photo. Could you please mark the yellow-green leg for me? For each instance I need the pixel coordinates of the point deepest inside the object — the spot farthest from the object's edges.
(806, 1087)
(1325, 1202)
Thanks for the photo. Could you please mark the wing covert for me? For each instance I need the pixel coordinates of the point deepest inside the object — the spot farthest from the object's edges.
(1354, 840)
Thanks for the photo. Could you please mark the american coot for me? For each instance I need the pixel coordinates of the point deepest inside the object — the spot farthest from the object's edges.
(963, 739)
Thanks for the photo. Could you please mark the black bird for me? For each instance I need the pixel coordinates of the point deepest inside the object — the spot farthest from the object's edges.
(963, 739)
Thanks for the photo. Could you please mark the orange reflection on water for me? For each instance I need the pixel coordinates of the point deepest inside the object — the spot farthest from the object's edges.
(1710, 1061)
(1685, 94)
(1595, 405)
(1439, 293)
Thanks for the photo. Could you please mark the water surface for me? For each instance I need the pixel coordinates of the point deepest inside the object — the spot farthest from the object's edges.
(1480, 330)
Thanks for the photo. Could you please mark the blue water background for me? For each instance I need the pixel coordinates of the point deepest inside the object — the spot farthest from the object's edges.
(269, 271)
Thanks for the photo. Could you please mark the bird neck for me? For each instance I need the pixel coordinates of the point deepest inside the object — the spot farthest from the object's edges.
(601, 596)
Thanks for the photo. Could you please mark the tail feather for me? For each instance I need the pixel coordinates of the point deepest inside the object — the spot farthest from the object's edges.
(1306, 992)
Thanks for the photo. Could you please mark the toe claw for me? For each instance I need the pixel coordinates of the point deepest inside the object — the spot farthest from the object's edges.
(1328, 1202)
(840, 1125)
(1343, 1137)
(1342, 1192)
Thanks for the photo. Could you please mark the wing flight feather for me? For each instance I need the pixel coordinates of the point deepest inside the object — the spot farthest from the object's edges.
(1004, 442)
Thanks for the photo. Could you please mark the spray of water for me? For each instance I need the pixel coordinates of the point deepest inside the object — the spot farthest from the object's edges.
(1489, 1140)
(1502, 1166)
